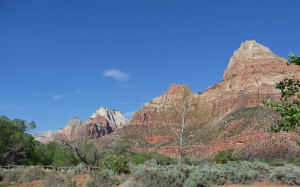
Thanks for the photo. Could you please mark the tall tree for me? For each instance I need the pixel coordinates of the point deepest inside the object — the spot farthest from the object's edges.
(15, 144)
(289, 102)
(183, 115)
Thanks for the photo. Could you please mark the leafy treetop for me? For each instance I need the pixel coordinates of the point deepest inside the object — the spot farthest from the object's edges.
(289, 104)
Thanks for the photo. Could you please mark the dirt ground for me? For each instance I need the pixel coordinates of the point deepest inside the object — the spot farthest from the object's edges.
(81, 181)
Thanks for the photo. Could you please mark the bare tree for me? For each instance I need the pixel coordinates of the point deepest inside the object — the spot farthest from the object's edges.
(88, 151)
(182, 115)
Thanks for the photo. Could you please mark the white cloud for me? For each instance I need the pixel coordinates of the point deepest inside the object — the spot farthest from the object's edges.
(129, 114)
(116, 74)
(57, 97)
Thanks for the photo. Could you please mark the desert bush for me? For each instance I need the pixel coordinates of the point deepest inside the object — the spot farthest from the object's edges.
(12, 175)
(154, 174)
(149, 178)
(32, 173)
(141, 158)
(54, 179)
(103, 178)
(246, 172)
(115, 163)
(223, 156)
(79, 169)
(289, 175)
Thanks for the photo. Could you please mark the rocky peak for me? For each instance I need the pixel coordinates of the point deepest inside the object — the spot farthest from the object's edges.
(73, 123)
(72, 128)
(249, 51)
(167, 96)
(112, 116)
(175, 88)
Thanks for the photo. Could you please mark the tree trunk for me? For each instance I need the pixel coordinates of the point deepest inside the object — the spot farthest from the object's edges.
(179, 157)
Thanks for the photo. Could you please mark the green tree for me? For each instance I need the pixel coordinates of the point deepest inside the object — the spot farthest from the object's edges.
(115, 163)
(65, 156)
(44, 154)
(289, 104)
(15, 144)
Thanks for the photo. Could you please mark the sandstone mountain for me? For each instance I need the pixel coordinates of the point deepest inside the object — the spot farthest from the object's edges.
(237, 118)
(252, 72)
(102, 122)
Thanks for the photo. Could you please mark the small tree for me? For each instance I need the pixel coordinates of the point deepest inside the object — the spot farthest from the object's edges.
(289, 104)
(88, 151)
(184, 111)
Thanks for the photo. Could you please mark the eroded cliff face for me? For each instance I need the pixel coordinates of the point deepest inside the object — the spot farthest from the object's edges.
(237, 118)
(102, 122)
(251, 75)
(71, 130)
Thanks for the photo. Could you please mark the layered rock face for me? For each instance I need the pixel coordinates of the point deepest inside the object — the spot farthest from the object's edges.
(72, 128)
(102, 122)
(148, 113)
(237, 118)
(114, 117)
(251, 75)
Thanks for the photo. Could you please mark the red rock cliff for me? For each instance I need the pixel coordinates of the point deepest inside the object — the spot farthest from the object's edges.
(250, 76)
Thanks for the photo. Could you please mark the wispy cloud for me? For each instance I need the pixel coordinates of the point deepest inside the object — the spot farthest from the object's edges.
(116, 74)
(122, 103)
(129, 114)
(57, 97)
(76, 92)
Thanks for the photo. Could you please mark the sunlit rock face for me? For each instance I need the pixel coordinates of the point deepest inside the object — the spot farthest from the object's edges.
(114, 117)
(251, 75)
(237, 118)
(102, 122)
(45, 137)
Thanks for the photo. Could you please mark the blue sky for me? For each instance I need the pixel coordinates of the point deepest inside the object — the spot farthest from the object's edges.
(60, 59)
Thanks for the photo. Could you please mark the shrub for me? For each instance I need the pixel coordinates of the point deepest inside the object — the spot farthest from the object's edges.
(1, 174)
(79, 169)
(289, 175)
(149, 178)
(115, 163)
(141, 158)
(33, 173)
(103, 178)
(12, 175)
(223, 156)
(53, 179)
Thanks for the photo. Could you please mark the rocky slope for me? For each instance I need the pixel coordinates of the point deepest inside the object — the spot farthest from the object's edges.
(237, 117)
(102, 122)
(252, 72)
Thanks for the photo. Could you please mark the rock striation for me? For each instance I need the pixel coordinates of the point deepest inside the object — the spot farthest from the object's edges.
(252, 72)
(237, 118)
(103, 122)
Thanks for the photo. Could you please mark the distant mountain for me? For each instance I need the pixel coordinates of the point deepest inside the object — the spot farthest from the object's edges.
(102, 122)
